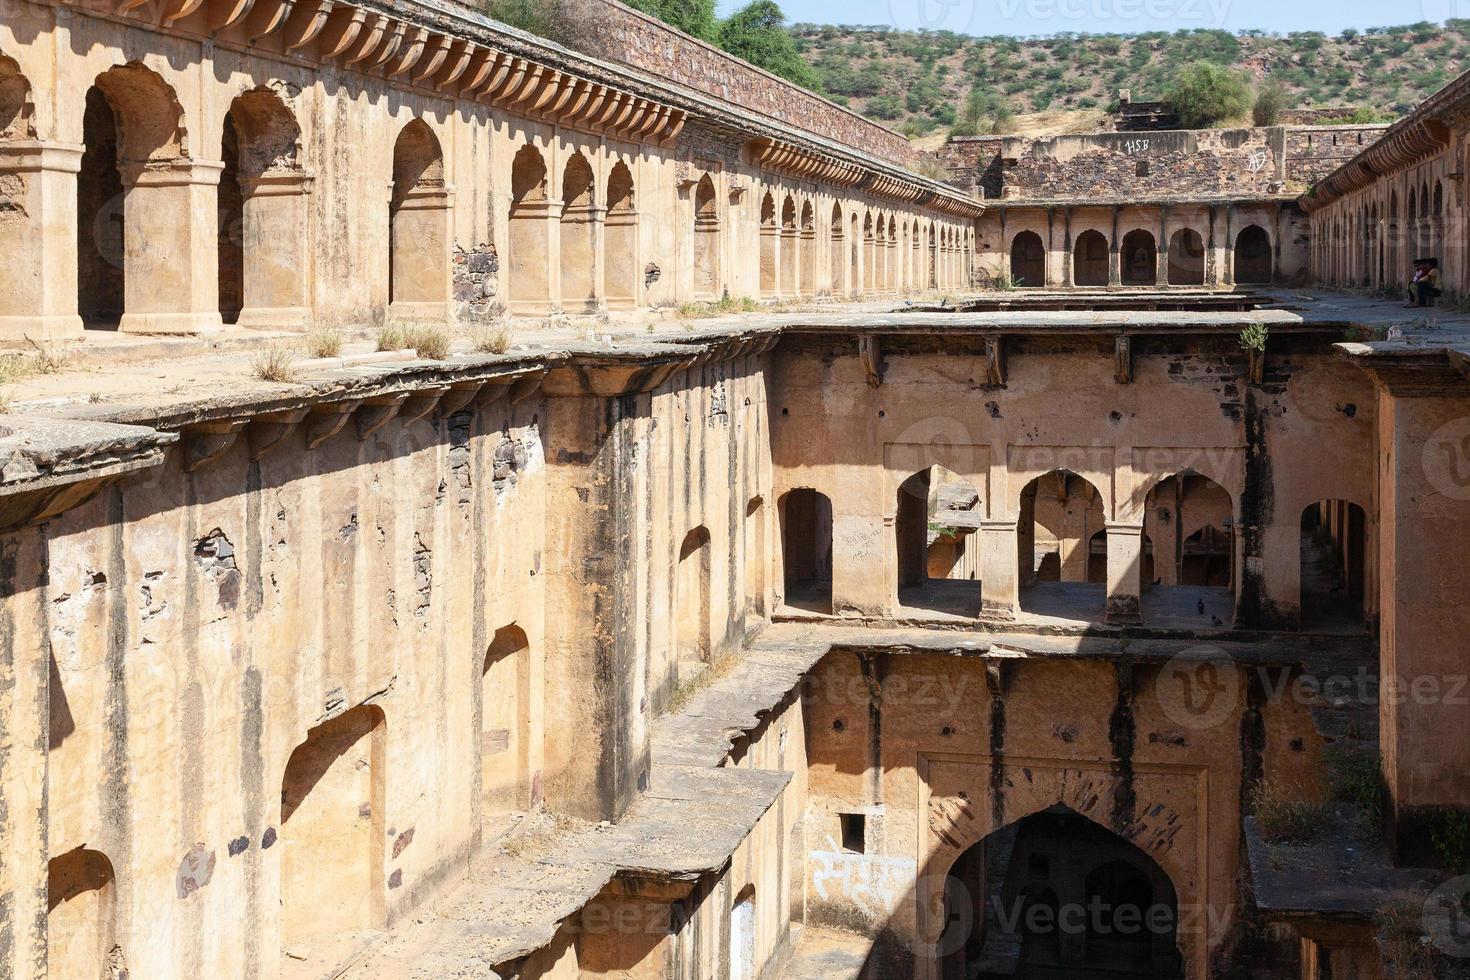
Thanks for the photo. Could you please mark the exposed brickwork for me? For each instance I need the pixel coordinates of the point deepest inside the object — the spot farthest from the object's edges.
(1316, 151)
(623, 34)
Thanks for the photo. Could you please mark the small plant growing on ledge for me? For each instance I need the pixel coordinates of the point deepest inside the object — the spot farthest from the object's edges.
(324, 343)
(490, 340)
(1285, 819)
(1004, 282)
(430, 343)
(275, 363)
(392, 338)
(1254, 337)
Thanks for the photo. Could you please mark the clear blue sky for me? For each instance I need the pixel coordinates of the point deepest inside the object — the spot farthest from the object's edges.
(1123, 16)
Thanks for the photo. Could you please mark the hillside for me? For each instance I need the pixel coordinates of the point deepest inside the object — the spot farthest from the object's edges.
(1387, 69)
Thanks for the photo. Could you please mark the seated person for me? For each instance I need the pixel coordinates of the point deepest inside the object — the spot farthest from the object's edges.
(1424, 288)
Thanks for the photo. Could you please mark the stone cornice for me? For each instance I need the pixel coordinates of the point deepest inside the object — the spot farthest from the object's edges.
(1421, 134)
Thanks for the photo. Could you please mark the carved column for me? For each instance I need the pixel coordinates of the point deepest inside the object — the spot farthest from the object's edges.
(171, 248)
(38, 294)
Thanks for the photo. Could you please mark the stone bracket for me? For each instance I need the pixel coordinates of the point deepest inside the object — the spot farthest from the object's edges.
(1123, 360)
(377, 412)
(328, 420)
(871, 355)
(995, 358)
(268, 430)
(421, 403)
(208, 441)
(458, 398)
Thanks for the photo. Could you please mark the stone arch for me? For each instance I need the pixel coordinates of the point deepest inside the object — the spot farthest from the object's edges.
(806, 280)
(506, 784)
(134, 139)
(620, 237)
(706, 240)
(418, 226)
(1139, 258)
(755, 556)
(1028, 259)
(692, 600)
(1253, 257)
(1090, 259)
(789, 246)
(529, 266)
(836, 248)
(1186, 258)
(262, 214)
(579, 218)
(855, 255)
(81, 916)
(770, 243)
(743, 919)
(935, 516)
(1060, 856)
(806, 549)
(1061, 513)
(1190, 519)
(17, 102)
(870, 254)
(333, 793)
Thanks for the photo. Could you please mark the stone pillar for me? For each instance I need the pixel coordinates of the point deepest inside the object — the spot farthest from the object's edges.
(1069, 260)
(1115, 254)
(170, 260)
(38, 294)
(277, 263)
(1000, 563)
(1162, 253)
(1048, 275)
(597, 754)
(1212, 258)
(1229, 270)
(534, 258)
(1125, 573)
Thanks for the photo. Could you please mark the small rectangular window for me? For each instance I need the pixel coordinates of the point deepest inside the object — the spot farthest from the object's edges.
(854, 832)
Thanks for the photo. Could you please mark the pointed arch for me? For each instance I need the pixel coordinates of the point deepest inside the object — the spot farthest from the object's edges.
(529, 246)
(620, 236)
(770, 245)
(579, 219)
(418, 219)
(707, 271)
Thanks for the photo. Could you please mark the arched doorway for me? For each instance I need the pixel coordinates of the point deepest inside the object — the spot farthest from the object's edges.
(81, 917)
(692, 603)
(529, 266)
(1057, 895)
(101, 232)
(262, 215)
(837, 251)
(505, 724)
(806, 550)
(1062, 525)
(1253, 261)
(1190, 521)
(1028, 260)
(1333, 566)
(332, 812)
(769, 245)
(756, 557)
(936, 515)
(1090, 259)
(1186, 258)
(620, 278)
(578, 236)
(706, 241)
(788, 248)
(806, 283)
(418, 243)
(1139, 259)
